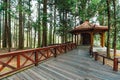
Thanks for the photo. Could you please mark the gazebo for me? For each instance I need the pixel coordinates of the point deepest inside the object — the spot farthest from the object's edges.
(87, 31)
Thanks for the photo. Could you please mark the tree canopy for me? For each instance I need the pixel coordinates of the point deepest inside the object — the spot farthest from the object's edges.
(37, 23)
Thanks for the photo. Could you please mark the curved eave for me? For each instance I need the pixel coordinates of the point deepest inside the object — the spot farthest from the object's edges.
(95, 30)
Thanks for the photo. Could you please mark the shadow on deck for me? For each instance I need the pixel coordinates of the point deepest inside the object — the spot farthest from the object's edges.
(74, 65)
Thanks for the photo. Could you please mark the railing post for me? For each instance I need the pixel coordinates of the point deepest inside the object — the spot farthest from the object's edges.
(91, 51)
(65, 48)
(71, 46)
(103, 60)
(115, 64)
(18, 61)
(55, 53)
(36, 58)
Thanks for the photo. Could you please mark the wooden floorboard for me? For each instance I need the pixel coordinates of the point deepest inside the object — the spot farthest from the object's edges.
(74, 65)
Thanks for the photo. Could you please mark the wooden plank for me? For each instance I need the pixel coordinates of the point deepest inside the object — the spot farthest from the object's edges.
(64, 71)
(46, 73)
(54, 73)
(33, 76)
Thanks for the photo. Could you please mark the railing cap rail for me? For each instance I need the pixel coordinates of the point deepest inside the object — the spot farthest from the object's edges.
(32, 50)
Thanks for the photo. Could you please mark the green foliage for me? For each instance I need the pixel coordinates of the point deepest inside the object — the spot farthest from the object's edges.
(83, 9)
(64, 5)
(95, 2)
(1, 7)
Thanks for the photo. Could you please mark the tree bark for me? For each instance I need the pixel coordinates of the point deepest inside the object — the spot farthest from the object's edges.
(21, 37)
(35, 38)
(54, 25)
(44, 39)
(0, 30)
(6, 24)
(9, 28)
(108, 36)
(51, 26)
(39, 25)
(115, 31)
(65, 27)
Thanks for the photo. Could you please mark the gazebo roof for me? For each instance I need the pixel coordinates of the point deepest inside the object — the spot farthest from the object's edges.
(89, 27)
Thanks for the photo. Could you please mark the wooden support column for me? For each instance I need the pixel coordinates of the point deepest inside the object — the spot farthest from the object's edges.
(92, 40)
(102, 41)
(75, 40)
(80, 39)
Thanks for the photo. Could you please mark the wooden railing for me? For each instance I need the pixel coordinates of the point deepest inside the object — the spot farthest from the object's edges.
(14, 61)
(114, 60)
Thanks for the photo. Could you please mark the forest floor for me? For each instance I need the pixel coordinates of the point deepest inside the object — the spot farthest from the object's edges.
(5, 50)
(102, 51)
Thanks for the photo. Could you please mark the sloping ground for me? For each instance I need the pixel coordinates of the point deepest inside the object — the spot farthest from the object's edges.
(75, 65)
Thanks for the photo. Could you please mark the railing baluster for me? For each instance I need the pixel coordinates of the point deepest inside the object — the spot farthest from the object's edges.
(36, 58)
(115, 64)
(18, 61)
(65, 48)
(96, 56)
(55, 53)
(103, 60)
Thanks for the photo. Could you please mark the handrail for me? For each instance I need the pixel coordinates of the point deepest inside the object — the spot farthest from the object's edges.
(115, 60)
(14, 61)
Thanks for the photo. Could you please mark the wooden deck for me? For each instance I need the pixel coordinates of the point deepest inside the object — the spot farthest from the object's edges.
(74, 65)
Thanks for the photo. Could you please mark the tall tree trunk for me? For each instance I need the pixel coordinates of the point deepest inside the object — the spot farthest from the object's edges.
(21, 45)
(115, 31)
(16, 34)
(61, 34)
(27, 35)
(14, 31)
(0, 30)
(9, 28)
(28, 31)
(23, 25)
(39, 25)
(65, 26)
(54, 25)
(35, 38)
(30, 38)
(0, 25)
(50, 32)
(51, 27)
(6, 24)
(44, 39)
(108, 36)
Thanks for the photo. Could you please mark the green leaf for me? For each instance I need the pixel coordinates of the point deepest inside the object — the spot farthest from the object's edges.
(95, 1)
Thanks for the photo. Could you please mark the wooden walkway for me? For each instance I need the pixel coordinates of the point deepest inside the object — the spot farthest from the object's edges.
(74, 65)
